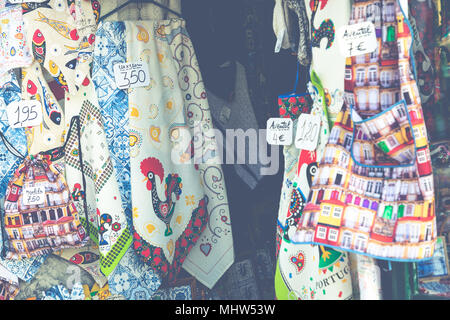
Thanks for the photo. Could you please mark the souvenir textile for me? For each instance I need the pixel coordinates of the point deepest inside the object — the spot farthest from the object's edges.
(373, 193)
(92, 178)
(306, 272)
(238, 115)
(53, 272)
(9, 92)
(9, 284)
(133, 279)
(14, 49)
(169, 225)
(24, 269)
(325, 18)
(304, 54)
(40, 216)
(194, 194)
(114, 108)
(63, 52)
(87, 258)
(60, 292)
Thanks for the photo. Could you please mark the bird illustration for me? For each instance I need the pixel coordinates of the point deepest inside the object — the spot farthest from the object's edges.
(326, 29)
(38, 46)
(164, 210)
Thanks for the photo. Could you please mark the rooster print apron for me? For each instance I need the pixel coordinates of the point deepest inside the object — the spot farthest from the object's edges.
(374, 191)
(180, 209)
(306, 272)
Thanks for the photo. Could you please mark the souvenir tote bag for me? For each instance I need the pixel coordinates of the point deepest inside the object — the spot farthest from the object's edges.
(303, 271)
(374, 193)
(40, 216)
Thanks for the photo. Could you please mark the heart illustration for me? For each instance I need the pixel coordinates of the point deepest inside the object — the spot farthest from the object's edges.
(146, 252)
(298, 261)
(206, 248)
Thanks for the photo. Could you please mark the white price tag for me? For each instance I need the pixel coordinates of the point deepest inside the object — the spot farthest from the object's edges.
(33, 196)
(280, 131)
(24, 113)
(308, 130)
(131, 75)
(357, 39)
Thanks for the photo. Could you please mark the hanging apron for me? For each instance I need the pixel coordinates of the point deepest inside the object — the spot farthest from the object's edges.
(374, 191)
(305, 272)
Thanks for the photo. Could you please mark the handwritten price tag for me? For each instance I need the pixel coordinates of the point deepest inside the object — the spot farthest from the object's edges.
(131, 75)
(357, 39)
(24, 113)
(33, 196)
(308, 129)
(280, 131)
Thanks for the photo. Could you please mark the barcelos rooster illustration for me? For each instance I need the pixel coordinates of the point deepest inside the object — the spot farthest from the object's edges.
(78, 193)
(105, 224)
(326, 29)
(164, 210)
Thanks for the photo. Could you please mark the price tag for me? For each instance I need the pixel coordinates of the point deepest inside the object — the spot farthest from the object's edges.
(357, 39)
(33, 196)
(131, 75)
(280, 131)
(24, 113)
(308, 129)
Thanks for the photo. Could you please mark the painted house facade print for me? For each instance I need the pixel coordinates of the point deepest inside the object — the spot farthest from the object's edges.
(373, 192)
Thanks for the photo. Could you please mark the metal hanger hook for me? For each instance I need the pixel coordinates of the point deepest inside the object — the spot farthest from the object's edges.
(139, 6)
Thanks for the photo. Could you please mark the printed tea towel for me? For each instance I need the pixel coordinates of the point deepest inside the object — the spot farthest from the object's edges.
(374, 192)
(132, 278)
(180, 209)
(62, 50)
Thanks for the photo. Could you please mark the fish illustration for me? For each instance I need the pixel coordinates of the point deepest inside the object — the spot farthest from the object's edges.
(51, 108)
(39, 46)
(84, 257)
(63, 28)
(57, 75)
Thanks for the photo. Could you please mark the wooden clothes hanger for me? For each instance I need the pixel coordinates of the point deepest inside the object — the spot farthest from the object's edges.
(139, 2)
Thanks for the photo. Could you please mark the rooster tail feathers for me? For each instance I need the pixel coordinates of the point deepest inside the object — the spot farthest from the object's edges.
(173, 184)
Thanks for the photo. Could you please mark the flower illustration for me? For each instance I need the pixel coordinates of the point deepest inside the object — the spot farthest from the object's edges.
(122, 282)
(190, 200)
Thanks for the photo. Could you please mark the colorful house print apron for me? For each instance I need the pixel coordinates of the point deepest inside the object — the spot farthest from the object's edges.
(306, 272)
(374, 192)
